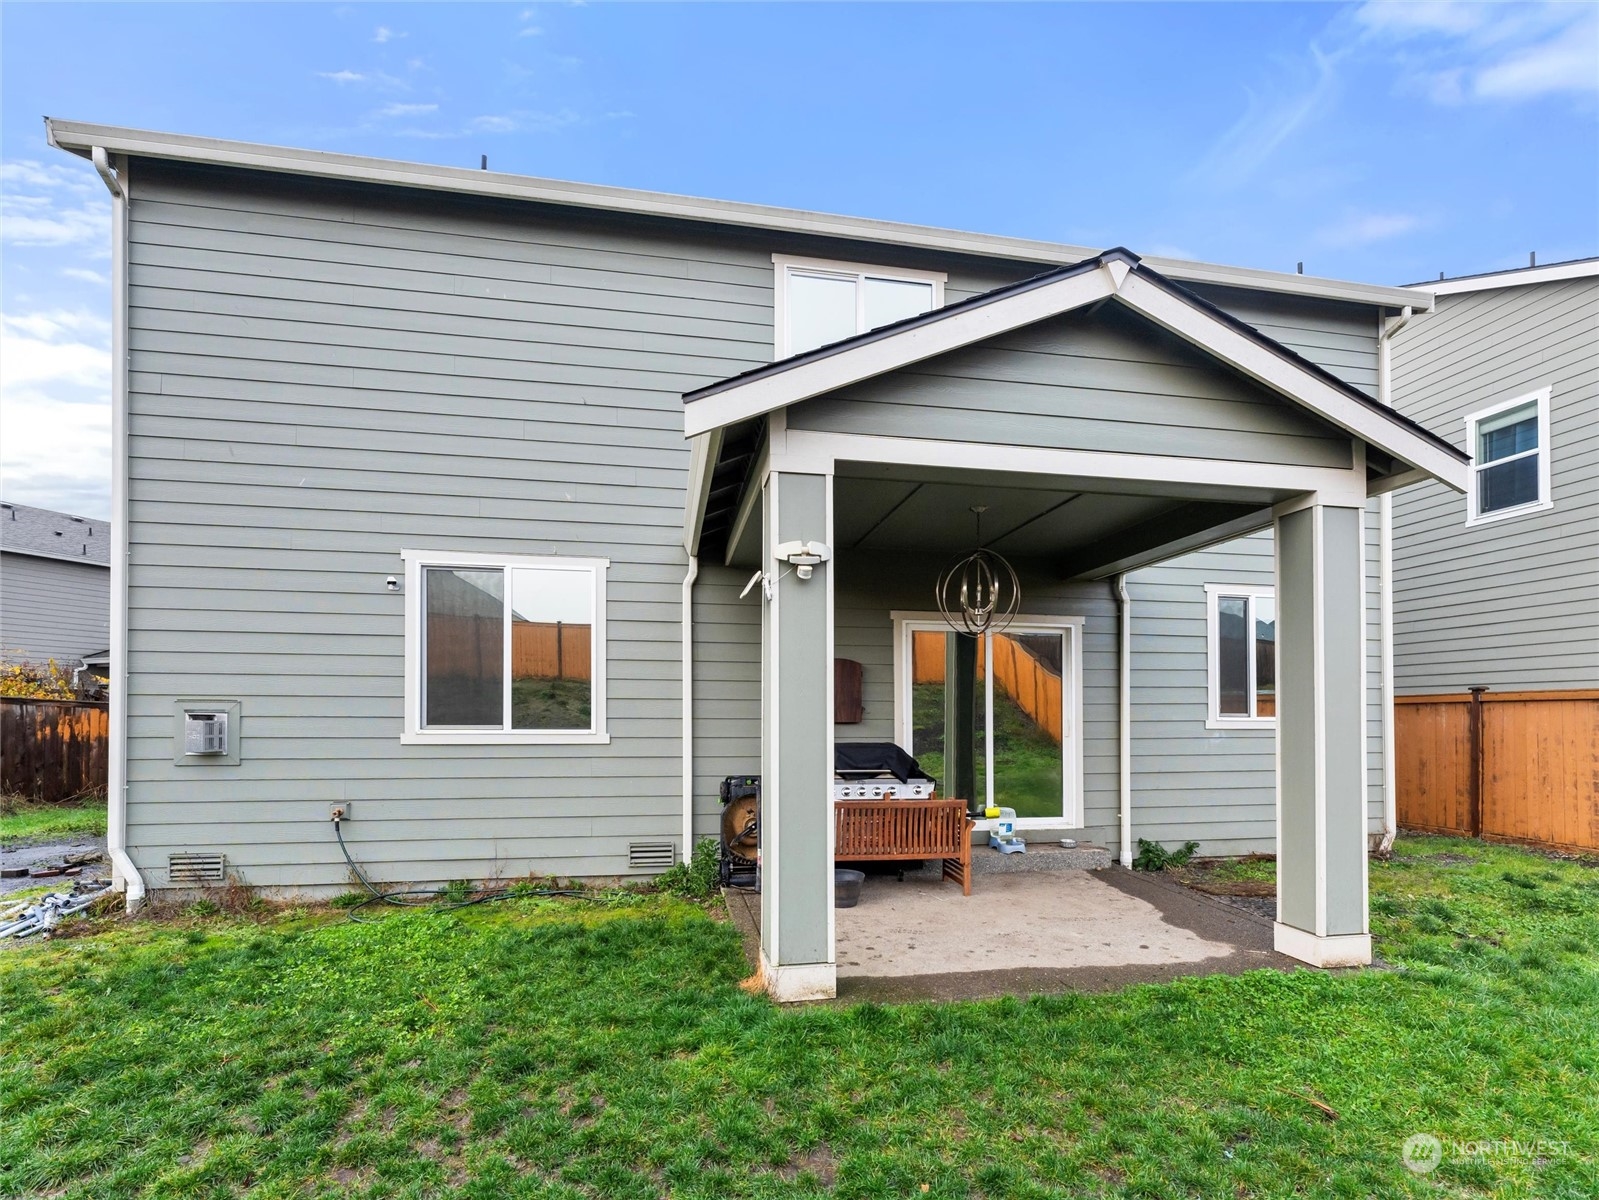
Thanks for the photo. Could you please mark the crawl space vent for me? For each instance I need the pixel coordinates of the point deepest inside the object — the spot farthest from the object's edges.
(651, 856)
(196, 868)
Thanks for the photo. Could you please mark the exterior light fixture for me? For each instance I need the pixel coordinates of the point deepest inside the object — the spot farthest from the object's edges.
(980, 593)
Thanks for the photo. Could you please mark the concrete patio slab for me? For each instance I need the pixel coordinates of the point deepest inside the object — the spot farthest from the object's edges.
(1032, 932)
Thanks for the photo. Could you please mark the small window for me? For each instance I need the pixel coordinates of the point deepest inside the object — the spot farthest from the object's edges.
(504, 649)
(1509, 446)
(1243, 656)
(820, 302)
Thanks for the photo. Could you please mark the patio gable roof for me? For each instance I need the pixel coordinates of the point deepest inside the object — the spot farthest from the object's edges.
(1116, 275)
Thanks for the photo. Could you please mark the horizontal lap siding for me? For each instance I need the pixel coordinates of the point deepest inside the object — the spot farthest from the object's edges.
(323, 378)
(1218, 787)
(1514, 604)
(1104, 381)
(52, 609)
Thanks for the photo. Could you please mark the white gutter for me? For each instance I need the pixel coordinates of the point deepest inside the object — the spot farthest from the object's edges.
(1386, 328)
(77, 137)
(1124, 727)
(124, 875)
(688, 705)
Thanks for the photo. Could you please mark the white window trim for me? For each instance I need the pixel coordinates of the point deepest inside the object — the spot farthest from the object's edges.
(783, 264)
(1214, 718)
(906, 623)
(415, 735)
(1545, 494)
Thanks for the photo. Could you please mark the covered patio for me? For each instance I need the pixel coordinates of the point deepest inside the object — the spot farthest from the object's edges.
(1105, 419)
(1030, 932)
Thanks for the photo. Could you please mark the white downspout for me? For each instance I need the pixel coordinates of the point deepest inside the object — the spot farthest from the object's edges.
(688, 705)
(124, 874)
(1387, 327)
(1124, 726)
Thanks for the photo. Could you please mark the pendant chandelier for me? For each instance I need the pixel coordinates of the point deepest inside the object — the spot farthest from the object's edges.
(980, 593)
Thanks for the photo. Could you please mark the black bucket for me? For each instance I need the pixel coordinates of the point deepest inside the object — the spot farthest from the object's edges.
(847, 887)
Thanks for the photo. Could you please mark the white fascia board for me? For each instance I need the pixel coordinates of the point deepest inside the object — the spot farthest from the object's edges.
(817, 453)
(1587, 268)
(763, 394)
(703, 453)
(77, 137)
(1198, 327)
(66, 558)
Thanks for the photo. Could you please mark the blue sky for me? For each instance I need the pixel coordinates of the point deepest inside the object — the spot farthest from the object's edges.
(1383, 142)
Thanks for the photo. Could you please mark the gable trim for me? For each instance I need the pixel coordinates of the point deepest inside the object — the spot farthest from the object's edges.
(1115, 274)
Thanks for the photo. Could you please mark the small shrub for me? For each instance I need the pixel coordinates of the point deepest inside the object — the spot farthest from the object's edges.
(457, 891)
(203, 907)
(36, 681)
(1152, 856)
(696, 879)
(349, 899)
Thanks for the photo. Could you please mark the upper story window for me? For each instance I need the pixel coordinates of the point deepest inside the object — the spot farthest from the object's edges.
(1242, 628)
(504, 649)
(820, 302)
(1509, 446)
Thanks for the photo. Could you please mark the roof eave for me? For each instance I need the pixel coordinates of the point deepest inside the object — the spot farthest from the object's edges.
(77, 137)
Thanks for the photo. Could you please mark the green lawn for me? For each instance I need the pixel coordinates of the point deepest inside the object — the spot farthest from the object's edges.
(556, 1049)
(23, 822)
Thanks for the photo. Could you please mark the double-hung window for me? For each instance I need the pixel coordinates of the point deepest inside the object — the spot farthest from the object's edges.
(1242, 628)
(821, 302)
(504, 649)
(1509, 446)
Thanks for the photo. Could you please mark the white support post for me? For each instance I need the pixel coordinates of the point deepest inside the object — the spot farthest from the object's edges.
(1321, 707)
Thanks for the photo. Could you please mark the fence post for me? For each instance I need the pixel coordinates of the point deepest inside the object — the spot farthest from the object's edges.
(1474, 792)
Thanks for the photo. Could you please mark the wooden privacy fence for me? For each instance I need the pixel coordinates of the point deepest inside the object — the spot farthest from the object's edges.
(458, 645)
(53, 750)
(1511, 766)
(1030, 683)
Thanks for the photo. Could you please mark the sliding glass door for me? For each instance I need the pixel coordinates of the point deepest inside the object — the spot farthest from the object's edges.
(1024, 695)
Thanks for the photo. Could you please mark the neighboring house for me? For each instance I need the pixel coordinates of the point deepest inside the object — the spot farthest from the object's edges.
(477, 507)
(1499, 589)
(55, 586)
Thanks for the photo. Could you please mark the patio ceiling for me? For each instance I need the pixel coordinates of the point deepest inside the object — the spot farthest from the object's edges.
(1085, 530)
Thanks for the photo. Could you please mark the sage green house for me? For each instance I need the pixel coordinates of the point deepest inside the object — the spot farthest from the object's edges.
(506, 517)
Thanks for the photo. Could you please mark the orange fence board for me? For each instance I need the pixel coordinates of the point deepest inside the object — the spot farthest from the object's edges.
(1540, 766)
(53, 750)
(1033, 686)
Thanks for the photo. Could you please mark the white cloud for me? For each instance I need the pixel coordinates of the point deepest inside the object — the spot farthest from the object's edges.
(343, 77)
(529, 31)
(1362, 229)
(1270, 119)
(1568, 62)
(53, 205)
(84, 275)
(55, 378)
(1455, 53)
(384, 34)
(407, 110)
(494, 124)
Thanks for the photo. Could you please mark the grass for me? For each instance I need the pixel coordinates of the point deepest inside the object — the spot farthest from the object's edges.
(550, 703)
(544, 1048)
(23, 822)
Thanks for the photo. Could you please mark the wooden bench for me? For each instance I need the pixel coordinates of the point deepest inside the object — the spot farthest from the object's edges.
(901, 830)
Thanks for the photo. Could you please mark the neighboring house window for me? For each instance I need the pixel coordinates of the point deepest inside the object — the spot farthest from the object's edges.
(820, 302)
(1243, 655)
(504, 649)
(1509, 446)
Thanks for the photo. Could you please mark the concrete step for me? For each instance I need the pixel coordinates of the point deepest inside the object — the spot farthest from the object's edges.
(1039, 856)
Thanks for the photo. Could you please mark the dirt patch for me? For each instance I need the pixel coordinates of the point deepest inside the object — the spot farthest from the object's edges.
(817, 1162)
